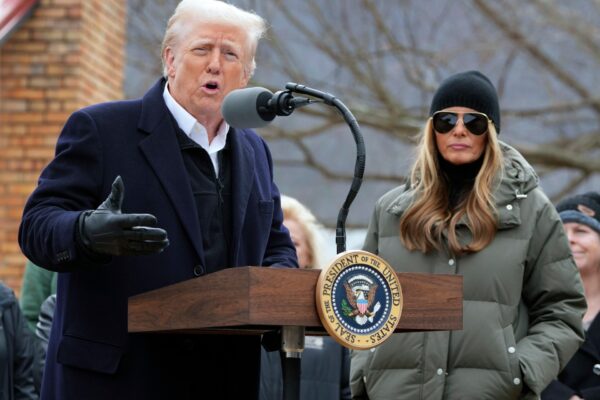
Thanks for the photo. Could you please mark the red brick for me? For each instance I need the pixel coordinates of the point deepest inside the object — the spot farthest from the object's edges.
(51, 12)
(44, 130)
(13, 105)
(24, 93)
(67, 55)
(22, 118)
(30, 47)
(56, 117)
(45, 82)
(61, 70)
(49, 34)
(11, 129)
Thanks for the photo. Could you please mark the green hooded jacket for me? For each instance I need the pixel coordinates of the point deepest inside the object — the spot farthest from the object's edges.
(38, 285)
(522, 310)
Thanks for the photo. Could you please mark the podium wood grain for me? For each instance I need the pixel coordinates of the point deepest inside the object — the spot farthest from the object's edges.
(250, 299)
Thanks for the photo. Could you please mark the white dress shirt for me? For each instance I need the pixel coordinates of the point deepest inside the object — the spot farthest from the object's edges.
(196, 131)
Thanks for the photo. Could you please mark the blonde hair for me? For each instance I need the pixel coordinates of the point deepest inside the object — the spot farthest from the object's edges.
(423, 223)
(296, 211)
(197, 12)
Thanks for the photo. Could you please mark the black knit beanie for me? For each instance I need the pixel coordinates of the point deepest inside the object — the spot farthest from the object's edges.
(581, 208)
(469, 89)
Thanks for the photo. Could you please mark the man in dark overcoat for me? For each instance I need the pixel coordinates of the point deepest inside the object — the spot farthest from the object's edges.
(147, 193)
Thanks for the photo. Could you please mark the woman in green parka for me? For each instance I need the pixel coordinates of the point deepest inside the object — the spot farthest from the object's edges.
(473, 207)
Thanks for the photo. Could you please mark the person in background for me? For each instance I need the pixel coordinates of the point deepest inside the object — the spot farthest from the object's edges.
(146, 193)
(38, 284)
(325, 365)
(580, 379)
(44, 327)
(473, 207)
(17, 351)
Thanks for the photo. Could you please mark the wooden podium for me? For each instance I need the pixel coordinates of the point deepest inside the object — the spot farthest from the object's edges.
(253, 300)
(256, 300)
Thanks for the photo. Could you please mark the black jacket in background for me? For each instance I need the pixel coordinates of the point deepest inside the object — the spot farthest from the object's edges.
(325, 371)
(579, 377)
(17, 349)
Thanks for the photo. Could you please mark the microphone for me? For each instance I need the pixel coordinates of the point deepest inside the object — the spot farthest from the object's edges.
(256, 107)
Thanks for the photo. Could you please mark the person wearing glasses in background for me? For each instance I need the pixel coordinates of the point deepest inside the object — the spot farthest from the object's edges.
(472, 207)
(581, 377)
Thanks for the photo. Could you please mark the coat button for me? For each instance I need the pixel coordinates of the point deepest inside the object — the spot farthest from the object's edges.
(198, 270)
(451, 262)
(516, 381)
(596, 369)
(511, 350)
(509, 207)
(439, 371)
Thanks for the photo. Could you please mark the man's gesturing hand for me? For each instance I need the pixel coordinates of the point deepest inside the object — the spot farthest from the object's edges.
(107, 231)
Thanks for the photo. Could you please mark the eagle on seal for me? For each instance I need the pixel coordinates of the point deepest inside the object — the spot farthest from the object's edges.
(360, 300)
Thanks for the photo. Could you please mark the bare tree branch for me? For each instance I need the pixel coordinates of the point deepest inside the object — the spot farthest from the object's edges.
(555, 157)
(586, 35)
(309, 160)
(534, 51)
(570, 187)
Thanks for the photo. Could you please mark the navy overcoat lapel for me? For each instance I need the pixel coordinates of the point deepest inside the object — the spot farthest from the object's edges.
(162, 151)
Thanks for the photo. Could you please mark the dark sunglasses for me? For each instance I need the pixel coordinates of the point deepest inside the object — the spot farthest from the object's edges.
(445, 121)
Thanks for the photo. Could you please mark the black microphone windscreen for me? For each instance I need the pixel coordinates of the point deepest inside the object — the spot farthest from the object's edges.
(240, 107)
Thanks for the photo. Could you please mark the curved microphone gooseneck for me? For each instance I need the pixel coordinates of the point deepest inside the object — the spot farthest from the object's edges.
(359, 165)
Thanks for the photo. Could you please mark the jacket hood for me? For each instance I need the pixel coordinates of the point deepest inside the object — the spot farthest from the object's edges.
(7, 296)
(516, 180)
(518, 177)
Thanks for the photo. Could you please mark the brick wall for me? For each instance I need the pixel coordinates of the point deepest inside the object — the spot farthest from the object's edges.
(68, 54)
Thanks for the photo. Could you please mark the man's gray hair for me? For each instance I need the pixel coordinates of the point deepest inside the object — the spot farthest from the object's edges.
(214, 11)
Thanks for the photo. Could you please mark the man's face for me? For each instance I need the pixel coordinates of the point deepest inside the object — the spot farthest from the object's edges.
(207, 63)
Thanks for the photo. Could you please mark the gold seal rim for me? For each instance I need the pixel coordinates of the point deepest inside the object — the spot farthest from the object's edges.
(349, 339)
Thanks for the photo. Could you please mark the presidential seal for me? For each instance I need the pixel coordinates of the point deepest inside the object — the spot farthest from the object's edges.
(359, 299)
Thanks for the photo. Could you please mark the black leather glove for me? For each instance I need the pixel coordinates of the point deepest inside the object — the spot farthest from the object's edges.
(107, 231)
